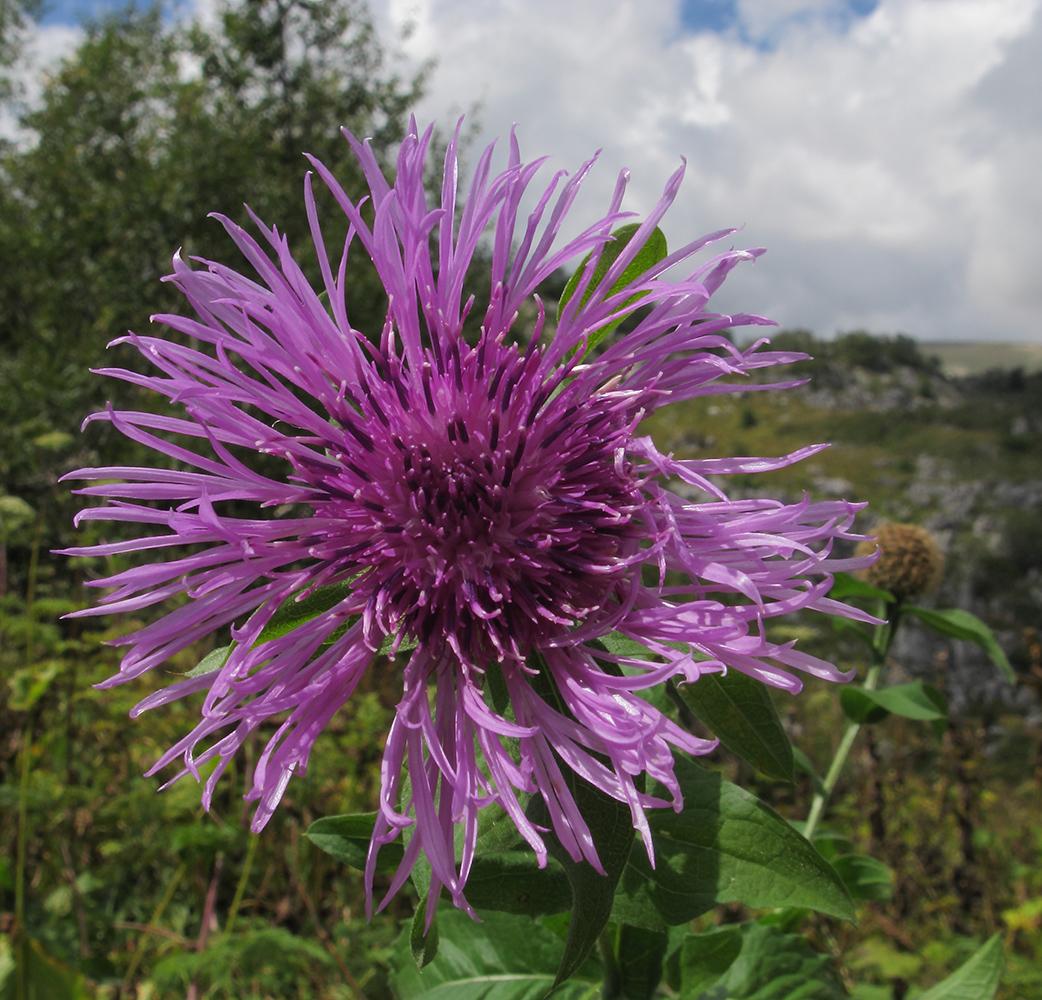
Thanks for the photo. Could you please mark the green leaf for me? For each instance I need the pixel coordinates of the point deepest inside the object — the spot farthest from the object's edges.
(496, 686)
(505, 957)
(977, 979)
(910, 701)
(513, 882)
(621, 644)
(423, 942)
(725, 847)
(640, 954)
(593, 894)
(860, 708)
(292, 613)
(740, 712)
(774, 965)
(705, 958)
(845, 585)
(611, 828)
(830, 845)
(958, 624)
(423, 945)
(786, 918)
(347, 838)
(865, 878)
(653, 251)
(44, 976)
(213, 661)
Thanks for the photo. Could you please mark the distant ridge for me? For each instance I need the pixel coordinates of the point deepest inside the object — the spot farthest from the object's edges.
(960, 359)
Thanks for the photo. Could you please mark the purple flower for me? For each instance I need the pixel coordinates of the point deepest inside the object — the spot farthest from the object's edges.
(487, 503)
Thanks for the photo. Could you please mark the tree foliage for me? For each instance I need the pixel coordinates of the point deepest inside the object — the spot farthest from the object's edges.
(145, 130)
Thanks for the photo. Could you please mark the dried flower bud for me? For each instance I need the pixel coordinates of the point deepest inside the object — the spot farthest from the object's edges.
(909, 563)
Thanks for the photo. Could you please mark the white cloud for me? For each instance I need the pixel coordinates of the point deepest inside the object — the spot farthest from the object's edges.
(889, 162)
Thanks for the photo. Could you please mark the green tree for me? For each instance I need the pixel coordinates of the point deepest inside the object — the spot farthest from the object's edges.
(145, 130)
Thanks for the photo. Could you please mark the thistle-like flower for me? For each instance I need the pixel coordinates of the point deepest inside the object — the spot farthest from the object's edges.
(484, 507)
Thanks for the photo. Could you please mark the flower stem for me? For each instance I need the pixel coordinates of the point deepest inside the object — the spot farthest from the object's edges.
(882, 641)
(153, 923)
(233, 910)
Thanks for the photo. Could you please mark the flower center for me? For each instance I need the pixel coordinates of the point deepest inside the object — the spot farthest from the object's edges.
(477, 509)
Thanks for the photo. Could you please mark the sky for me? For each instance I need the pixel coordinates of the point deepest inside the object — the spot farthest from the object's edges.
(887, 153)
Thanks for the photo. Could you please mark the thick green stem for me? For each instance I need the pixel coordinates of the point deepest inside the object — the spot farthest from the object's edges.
(883, 640)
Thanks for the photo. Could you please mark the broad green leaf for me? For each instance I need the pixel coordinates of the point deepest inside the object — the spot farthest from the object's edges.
(653, 251)
(740, 712)
(977, 979)
(845, 585)
(505, 957)
(773, 965)
(958, 624)
(705, 958)
(640, 954)
(865, 878)
(347, 838)
(911, 701)
(726, 846)
(512, 882)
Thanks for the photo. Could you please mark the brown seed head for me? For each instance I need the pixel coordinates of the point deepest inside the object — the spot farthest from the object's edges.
(909, 561)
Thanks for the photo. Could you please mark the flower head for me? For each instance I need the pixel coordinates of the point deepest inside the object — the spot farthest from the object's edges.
(483, 506)
(908, 562)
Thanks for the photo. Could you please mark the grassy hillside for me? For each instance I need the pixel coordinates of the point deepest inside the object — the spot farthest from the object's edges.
(961, 359)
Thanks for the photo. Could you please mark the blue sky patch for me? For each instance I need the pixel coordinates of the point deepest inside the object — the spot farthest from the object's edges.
(75, 11)
(724, 16)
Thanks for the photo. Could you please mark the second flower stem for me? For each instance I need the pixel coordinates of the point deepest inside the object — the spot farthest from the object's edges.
(817, 806)
(883, 640)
